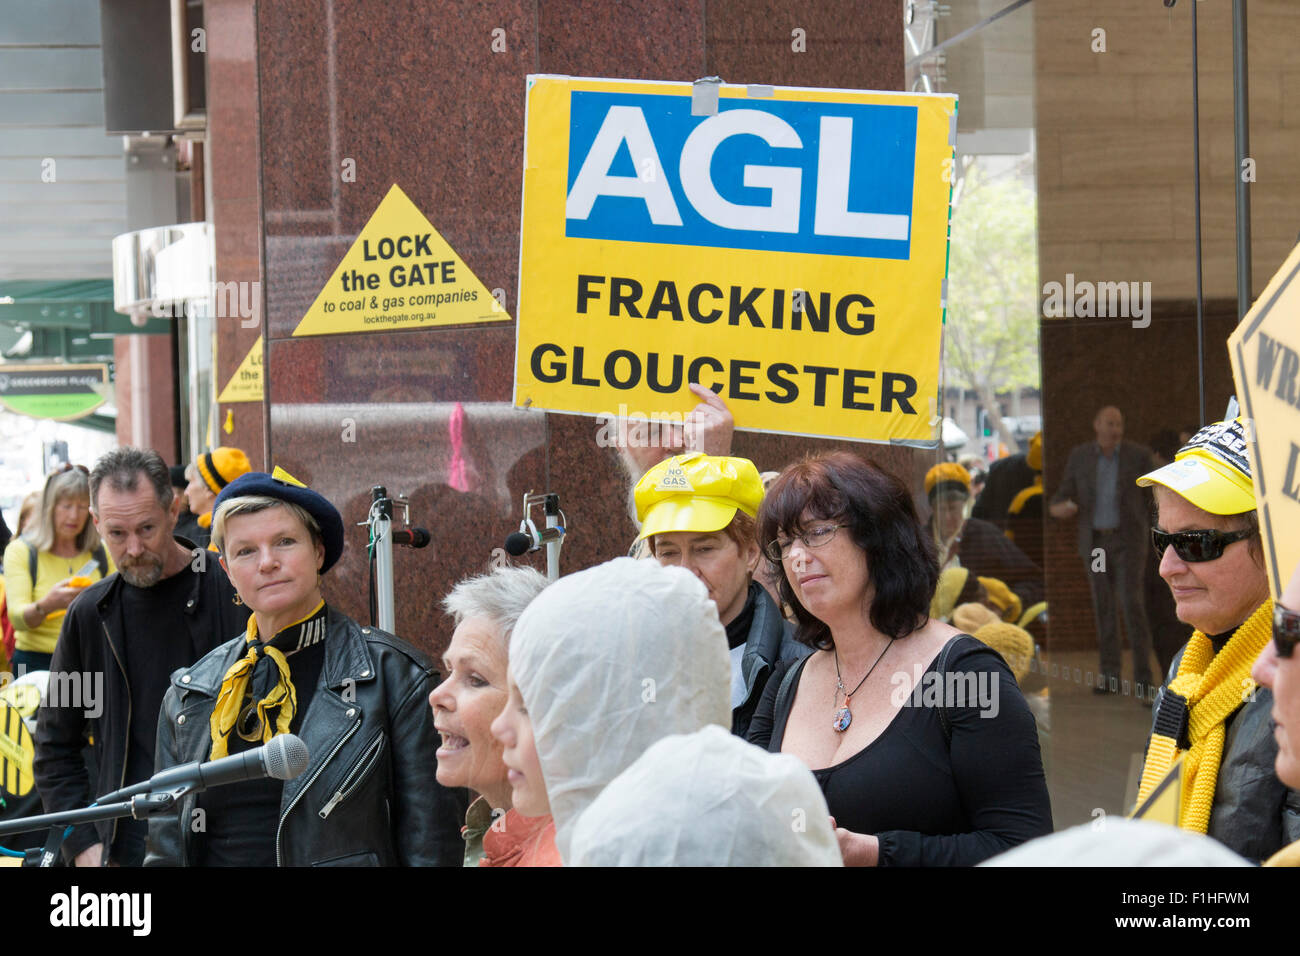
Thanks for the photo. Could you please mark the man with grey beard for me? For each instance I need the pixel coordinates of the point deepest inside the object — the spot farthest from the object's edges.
(168, 604)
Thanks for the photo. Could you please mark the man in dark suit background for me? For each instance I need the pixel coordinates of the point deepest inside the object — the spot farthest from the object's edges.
(1100, 489)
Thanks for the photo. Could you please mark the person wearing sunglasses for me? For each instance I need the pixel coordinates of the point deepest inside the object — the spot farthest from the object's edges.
(1278, 669)
(1210, 711)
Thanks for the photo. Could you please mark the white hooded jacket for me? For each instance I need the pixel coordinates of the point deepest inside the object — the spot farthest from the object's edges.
(708, 799)
(608, 661)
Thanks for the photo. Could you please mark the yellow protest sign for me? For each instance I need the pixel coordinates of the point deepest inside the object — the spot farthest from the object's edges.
(1265, 353)
(246, 384)
(399, 274)
(785, 247)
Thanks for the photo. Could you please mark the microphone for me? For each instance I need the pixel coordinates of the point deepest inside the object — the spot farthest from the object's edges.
(529, 538)
(282, 759)
(412, 537)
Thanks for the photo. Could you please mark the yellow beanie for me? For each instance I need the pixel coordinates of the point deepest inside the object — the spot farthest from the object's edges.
(221, 466)
(1015, 644)
(947, 473)
(972, 616)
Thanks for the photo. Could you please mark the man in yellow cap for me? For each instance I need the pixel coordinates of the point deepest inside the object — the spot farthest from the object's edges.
(698, 511)
(1211, 712)
(209, 473)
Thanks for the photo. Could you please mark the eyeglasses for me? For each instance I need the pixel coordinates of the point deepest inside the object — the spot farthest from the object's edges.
(1286, 629)
(1197, 546)
(813, 538)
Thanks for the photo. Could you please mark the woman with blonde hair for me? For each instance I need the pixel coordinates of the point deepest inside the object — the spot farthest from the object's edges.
(50, 564)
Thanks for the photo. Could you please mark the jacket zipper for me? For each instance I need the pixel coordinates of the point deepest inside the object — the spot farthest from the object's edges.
(354, 779)
(279, 827)
(126, 752)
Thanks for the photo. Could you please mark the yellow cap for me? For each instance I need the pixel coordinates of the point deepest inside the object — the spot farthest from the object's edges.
(1212, 471)
(696, 492)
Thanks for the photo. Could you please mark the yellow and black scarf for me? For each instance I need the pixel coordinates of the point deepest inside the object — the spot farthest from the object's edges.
(1209, 687)
(258, 683)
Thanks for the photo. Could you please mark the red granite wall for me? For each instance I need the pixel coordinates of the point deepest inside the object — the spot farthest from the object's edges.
(419, 98)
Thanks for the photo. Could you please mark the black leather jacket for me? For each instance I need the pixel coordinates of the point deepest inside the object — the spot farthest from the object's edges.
(368, 796)
(94, 641)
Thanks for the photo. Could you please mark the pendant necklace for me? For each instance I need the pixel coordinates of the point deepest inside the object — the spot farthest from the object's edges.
(843, 716)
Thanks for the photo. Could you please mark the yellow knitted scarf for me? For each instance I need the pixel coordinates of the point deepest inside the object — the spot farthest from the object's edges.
(1213, 687)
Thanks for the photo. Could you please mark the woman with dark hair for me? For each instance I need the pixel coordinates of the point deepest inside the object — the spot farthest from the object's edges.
(917, 733)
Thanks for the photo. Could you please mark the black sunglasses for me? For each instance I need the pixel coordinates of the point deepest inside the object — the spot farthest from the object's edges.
(1197, 546)
(1286, 629)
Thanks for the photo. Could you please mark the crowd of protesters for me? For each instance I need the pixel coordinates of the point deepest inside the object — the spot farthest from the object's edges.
(814, 672)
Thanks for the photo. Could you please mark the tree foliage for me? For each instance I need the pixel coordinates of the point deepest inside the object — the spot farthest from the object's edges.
(991, 336)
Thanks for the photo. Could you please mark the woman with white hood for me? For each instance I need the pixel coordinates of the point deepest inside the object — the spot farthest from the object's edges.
(604, 663)
(708, 799)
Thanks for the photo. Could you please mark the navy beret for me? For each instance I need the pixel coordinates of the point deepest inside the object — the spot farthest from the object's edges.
(314, 503)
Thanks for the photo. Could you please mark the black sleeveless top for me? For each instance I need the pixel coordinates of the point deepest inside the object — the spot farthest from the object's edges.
(935, 796)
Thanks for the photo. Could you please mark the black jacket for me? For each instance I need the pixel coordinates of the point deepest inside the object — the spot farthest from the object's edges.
(369, 794)
(92, 643)
(771, 639)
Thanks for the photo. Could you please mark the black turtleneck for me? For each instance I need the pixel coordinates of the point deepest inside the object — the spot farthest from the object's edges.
(738, 629)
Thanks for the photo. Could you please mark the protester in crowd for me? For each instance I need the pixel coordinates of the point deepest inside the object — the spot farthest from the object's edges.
(208, 475)
(45, 567)
(485, 609)
(972, 542)
(1098, 489)
(1277, 669)
(604, 663)
(708, 799)
(1209, 710)
(188, 528)
(5, 534)
(697, 512)
(357, 696)
(163, 610)
(911, 776)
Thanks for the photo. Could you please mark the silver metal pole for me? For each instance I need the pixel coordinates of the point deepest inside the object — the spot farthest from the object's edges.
(383, 531)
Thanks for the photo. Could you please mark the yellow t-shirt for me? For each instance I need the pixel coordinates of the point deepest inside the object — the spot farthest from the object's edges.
(22, 591)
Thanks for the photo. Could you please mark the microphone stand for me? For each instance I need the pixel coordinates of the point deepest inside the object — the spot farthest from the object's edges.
(551, 507)
(380, 522)
(140, 807)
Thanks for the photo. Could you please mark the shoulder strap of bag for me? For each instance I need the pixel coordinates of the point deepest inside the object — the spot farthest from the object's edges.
(943, 706)
(31, 563)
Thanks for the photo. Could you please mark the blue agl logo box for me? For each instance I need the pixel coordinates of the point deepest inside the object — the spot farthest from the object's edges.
(765, 174)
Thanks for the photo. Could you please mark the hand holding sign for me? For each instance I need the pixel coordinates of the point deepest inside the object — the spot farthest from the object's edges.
(709, 426)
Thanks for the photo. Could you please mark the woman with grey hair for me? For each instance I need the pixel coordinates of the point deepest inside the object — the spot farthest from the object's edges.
(485, 609)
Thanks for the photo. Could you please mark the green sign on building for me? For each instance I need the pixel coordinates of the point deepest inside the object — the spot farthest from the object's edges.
(60, 392)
